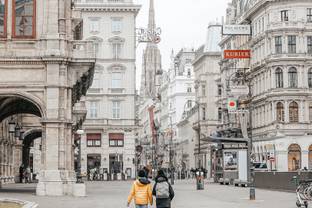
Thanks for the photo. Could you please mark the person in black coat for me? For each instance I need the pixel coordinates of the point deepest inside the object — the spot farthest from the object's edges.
(163, 202)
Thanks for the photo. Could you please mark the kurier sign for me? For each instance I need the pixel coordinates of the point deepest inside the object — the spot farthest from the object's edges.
(236, 30)
(237, 54)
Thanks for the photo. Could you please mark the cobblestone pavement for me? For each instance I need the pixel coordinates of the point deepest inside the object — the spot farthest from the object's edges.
(114, 195)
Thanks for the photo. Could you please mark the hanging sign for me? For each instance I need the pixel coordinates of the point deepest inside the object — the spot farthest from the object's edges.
(237, 54)
(236, 30)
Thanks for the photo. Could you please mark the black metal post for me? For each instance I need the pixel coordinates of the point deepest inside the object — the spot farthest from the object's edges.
(171, 154)
(79, 178)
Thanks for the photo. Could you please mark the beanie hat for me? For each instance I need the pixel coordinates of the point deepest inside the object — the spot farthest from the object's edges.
(142, 173)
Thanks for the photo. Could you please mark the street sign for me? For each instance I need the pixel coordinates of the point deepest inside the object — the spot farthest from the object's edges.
(236, 30)
(232, 104)
(237, 54)
(239, 90)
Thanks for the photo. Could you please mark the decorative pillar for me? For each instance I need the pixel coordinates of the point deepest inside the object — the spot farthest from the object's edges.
(286, 109)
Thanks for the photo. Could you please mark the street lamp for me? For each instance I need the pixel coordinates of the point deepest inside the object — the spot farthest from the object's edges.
(79, 132)
(171, 154)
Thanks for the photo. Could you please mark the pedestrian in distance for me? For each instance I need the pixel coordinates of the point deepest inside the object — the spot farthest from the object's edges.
(162, 190)
(141, 191)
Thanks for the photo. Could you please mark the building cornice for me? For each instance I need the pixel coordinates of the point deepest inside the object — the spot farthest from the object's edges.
(88, 7)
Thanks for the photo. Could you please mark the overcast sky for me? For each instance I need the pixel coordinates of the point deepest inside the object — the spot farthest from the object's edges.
(183, 23)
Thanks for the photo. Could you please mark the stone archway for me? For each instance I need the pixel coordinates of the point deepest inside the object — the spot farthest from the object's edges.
(12, 108)
(294, 157)
(28, 139)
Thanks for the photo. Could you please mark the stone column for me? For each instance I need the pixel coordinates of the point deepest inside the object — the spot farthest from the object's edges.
(285, 77)
(272, 78)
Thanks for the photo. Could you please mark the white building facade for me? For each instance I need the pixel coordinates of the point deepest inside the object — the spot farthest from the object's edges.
(108, 144)
(281, 73)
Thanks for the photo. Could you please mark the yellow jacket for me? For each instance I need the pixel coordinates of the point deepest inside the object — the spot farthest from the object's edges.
(141, 192)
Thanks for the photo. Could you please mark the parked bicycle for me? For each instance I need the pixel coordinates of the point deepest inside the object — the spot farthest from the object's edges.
(304, 193)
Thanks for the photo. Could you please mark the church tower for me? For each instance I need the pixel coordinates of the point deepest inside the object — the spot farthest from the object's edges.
(151, 61)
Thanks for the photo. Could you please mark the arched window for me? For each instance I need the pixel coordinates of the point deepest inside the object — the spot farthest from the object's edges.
(24, 18)
(293, 78)
(293, 112)
(3, 17)
(279, 78)
(294, 157)
(310, 78)
(280, 113)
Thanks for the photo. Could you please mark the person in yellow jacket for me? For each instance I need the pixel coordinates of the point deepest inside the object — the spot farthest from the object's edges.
(141, 191)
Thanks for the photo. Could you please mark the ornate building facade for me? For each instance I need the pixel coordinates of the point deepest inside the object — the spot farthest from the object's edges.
(281, 72)
(108, 144)
(45, 71)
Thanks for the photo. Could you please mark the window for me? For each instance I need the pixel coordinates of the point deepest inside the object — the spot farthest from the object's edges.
(284, 15)
(116, 50)
(219, 114)
(310, 112)
(116, 139)
(94, 25)
(189, 88)
(310, 78)
(24, 18)
(93, 109)
(93, 140)
(278, 45)
(219, 90)
(189, 104)
(309, 44)
(3, 17)
(294, 157)
(293, 80)
(116, 80)
(291, 44)
(189, 73)
(116, 109)
(116, 25)
(203, 90)
(204, 113)
(280, 113)
(279, 78)
(293, 112)
(309, 14)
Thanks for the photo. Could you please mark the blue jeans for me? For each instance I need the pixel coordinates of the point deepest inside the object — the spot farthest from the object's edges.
(141, 206)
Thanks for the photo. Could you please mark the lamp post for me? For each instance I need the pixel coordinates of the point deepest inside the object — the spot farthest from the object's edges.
(79, 177)
(251, 175)
(171, 154)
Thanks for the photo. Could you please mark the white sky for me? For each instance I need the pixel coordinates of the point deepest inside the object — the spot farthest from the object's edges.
(183, 23)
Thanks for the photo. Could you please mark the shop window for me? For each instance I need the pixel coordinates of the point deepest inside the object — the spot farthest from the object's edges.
(116, 139)
(93, 140)
(294, 157)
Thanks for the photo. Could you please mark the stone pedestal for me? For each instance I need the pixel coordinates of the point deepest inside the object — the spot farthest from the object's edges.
(55, 183)
(79, 190)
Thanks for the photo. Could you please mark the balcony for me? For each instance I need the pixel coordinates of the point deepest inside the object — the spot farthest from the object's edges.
(102, 1)
(83, 50)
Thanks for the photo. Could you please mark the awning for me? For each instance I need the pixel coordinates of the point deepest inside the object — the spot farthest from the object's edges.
(224, 140)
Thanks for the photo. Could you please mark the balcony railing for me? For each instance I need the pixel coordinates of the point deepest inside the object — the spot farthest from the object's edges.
(83, 49)
(102, 1)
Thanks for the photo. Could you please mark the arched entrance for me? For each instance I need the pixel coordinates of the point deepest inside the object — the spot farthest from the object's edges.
(294, 157)
(12, 110)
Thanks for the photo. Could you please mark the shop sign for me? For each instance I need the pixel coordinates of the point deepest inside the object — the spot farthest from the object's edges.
(237, 54)
(236, 30)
